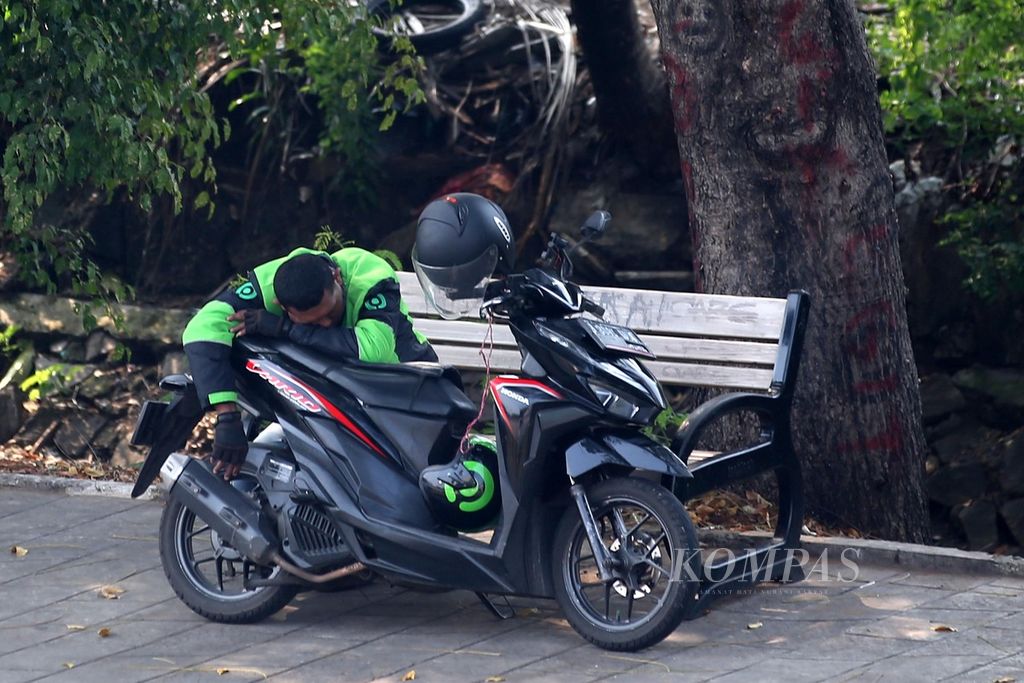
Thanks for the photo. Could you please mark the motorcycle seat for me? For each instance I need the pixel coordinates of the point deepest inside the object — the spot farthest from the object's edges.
(423, 388)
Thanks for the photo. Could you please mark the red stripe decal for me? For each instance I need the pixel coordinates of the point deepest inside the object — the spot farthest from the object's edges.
(345, 422)
(499, 382)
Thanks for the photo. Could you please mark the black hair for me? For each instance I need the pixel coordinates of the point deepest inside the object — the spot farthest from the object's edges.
(300, 282)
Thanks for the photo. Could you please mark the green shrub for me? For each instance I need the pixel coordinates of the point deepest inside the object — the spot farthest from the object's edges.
(954, 74)
(954, 71)
(99, 96)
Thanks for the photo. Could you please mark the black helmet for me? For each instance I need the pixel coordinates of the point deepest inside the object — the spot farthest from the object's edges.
(462, 239)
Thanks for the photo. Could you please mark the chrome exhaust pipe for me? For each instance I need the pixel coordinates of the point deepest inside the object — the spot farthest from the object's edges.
(233, 515)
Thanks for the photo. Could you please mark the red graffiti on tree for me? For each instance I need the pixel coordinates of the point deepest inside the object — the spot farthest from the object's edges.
(861, 339)
(889, 439)
(691, 195)
(862, 242)
(684, 96)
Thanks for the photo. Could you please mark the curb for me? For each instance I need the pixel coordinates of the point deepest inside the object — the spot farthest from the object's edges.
(909, 555)
(76, 487)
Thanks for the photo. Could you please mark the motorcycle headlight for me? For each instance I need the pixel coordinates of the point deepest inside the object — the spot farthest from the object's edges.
(612, 401)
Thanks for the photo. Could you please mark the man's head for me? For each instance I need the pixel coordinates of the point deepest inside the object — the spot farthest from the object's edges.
(310, 290)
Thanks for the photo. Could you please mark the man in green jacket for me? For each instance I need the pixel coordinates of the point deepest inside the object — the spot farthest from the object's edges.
(346, 304)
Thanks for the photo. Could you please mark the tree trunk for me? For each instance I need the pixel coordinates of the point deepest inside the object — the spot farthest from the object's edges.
(632, 96)
(780, 139)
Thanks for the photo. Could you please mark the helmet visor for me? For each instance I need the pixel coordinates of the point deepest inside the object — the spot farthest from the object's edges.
(454, 291)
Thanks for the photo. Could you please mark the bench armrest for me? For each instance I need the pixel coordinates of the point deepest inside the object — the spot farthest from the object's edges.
(767, 407)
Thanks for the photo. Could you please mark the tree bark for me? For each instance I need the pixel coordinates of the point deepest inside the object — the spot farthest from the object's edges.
(780, 140)
(632, 95)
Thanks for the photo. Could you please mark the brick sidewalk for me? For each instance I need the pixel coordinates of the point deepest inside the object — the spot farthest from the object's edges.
(886, 625)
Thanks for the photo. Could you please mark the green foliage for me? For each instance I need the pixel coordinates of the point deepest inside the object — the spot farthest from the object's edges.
(92, 94)
(323, 56)
(7, 343)
(989, 236)
(665, 426)
(50, 380)
(329, 240)
(389, 256)
(954, 69)
(100, 96)
(955, 72)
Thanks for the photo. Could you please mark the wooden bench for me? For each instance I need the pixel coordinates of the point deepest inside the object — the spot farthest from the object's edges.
(749, 346)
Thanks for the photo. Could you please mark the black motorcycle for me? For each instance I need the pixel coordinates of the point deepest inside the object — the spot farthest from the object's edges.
(355, 467)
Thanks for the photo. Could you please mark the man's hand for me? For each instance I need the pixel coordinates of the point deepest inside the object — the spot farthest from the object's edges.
(259, 322)
(229, 444)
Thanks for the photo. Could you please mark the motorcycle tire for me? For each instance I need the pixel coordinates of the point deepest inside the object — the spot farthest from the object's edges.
(200, 595)
(437, 35)
(679, 543)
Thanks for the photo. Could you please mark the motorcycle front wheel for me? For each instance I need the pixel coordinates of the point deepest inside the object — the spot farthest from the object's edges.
(210, 576)
(652, 543)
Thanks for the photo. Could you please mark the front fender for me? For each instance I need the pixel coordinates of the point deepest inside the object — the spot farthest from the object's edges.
(624, 449)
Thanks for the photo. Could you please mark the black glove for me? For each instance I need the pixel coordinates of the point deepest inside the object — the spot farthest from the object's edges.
(265, 324)
(229, 443)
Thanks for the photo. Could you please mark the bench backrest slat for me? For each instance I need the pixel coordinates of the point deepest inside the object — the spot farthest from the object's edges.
(700, 340)
(680, 313)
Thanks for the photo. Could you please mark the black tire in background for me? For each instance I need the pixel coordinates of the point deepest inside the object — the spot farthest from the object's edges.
(445, 21)
(680, 539)
(202, 599)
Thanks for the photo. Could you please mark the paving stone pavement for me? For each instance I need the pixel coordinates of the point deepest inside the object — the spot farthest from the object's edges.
(887, 623)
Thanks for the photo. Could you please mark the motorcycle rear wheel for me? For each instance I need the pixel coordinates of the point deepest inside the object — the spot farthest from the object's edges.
(648, 533)
(209, 576)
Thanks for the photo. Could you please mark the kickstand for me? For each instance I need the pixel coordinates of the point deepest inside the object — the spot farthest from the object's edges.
(493, 609)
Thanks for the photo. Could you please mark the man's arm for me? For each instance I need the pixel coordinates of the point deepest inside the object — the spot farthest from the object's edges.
(207, 340)
(382, 334)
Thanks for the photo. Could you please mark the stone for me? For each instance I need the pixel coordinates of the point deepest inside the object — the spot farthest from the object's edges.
(99, 345)
(99, 384)
(174, 363)
(126, 455)
(940, 397)
(69, 350)
(1001, 385)
(12, 412)
(1011, 474)
(74, 436)
(45, 314)
(957, 341)
(898, 171)
(979, 525)
(971, 441)
(951, 424)
(22, 367)
(957, 484)
(1013, 514)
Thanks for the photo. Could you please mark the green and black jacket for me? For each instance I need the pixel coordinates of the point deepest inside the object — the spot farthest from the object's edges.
(376, 327)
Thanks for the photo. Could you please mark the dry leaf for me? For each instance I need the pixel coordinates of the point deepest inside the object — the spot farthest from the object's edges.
(494, 679)
(103, 632)
(93, 472)
(75, 627)
(942, 628)
(69, 665)
(72, 470)
(19, 551)
(755, 625)
(222, 671)
(110, 592)
(1005, 679)
(410, 676)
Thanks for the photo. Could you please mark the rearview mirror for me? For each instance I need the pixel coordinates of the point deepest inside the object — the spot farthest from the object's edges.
(595, 225)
